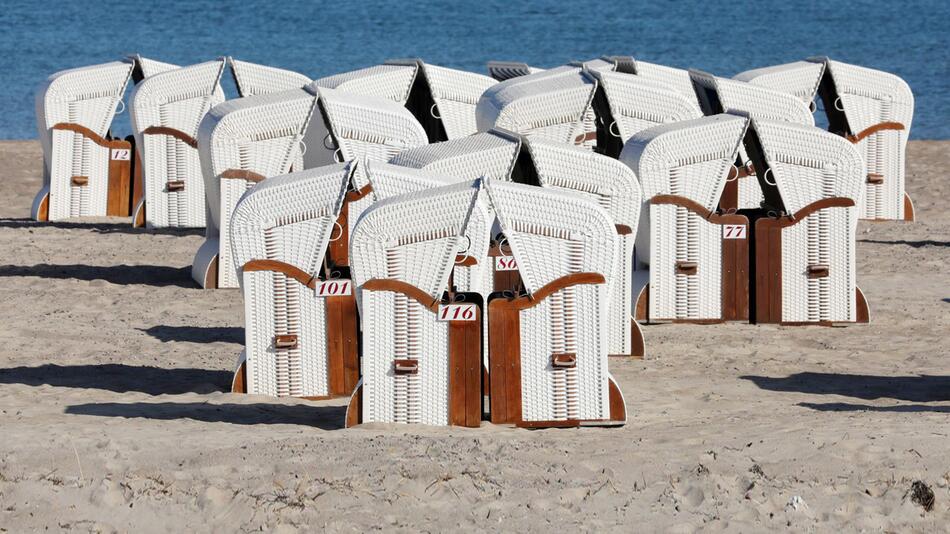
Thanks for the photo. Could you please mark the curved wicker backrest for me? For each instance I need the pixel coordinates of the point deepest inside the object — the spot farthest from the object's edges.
(456, 93)
(800, 78)
(758, 102)
(553, 233)
(675, 78)
(177, 98)
(809, 164)
(413, 238)
(550, 105)
(490, 154)
(260, 134)
(252, 79)
(691, 159)
(637, 103)
(289, 218)
(870, 96)
(391, 82)
(369, 128)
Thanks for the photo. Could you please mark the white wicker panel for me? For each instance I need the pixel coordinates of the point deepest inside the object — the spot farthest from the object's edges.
(75, 155)
(677, 79)
(556, 394)
(825, 237)
(761, 102)
(456, 93)
(680, 235)
(638, 103)
(253, 79)
(800, 78)
(391, 82)
(547, 105)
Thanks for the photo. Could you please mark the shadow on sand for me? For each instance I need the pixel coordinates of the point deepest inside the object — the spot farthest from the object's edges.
(907, 388)
(121, 378)
(150, 275)
(98, 227)
(324, 417)
(846, 407)
(196, 334)
(914, 244)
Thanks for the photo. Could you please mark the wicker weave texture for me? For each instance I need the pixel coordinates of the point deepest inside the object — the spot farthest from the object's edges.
(253, 79)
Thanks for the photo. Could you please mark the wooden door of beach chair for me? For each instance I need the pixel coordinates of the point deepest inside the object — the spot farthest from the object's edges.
(555, 105)
(242, 142)
(627, 104)
(166, 111)
(874, 110)
(548, 346)
(301, 325)
(252, 79)
(720, 95)
(697, 256)
(85, 171)
(421, 343)
(357, 128)
(614, 187)
(805, 249)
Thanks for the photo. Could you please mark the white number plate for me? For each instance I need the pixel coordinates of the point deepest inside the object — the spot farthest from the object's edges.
(334, 288)
(121, 154)
(457, 312)
(733, 231)
(506, 263)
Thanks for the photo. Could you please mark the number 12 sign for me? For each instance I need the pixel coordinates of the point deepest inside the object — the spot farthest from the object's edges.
(457, 312)
(733, 231)
(334, 288)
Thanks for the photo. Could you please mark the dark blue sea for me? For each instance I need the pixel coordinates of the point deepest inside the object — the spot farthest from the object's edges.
(322, 38)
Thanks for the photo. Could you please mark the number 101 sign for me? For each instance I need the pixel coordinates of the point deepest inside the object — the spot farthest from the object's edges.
(334, 288)
(457, 312)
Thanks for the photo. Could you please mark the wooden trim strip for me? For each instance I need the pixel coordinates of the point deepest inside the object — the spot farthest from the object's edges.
(699, 209)
(81, 130)
(465, 261)
(177, 134)
(285, 268)
(831, 202)
(871, 130)
(586, 136)
(623, 229)
(575, 279)
(404, 288)
(242, 174)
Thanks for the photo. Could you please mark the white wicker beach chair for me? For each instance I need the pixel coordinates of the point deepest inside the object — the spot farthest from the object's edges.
(721, 95)
(252, 79)
(442, 100)
(300, 316)
(874, 110)
(242, 142)
(85, 171)
(421, 343)
(554, 104)
(548, 347)
(165, 111)
(805, 251)
(613, 186)
(698, 258)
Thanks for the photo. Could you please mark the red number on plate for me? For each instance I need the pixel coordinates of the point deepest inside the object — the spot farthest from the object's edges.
(456, 312)
(334, 288)
(121, 154)
(733, 231)
(506, 263)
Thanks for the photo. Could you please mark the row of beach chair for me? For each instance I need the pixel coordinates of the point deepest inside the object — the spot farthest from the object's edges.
(420, 238)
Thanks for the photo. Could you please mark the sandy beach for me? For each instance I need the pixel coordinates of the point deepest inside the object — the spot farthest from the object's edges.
(115, 415)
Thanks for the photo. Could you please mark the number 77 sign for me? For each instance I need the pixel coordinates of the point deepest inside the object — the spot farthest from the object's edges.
(733, 231)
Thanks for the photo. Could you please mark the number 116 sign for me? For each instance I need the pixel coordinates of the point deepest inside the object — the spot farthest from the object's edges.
(457, 312)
